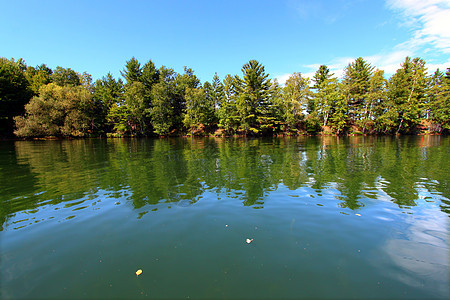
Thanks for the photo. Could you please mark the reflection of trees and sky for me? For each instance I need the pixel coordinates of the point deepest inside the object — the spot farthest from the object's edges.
(152, 173)
(354, 217)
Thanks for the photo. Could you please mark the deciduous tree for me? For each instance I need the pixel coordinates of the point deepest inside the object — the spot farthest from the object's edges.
(14, 94)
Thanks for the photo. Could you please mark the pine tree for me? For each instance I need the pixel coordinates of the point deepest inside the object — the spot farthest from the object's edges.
(406, 93)
(132, 71)
(163, 96)
(217, 93)
(319, 78)
(253, 104)
(374, 101)
(356, 84)
(439, 106)
(228, 115)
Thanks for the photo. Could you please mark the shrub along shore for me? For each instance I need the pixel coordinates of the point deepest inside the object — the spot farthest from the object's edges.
(38, 102)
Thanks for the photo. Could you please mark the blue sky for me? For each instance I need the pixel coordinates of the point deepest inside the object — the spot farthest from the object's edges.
(286, 36)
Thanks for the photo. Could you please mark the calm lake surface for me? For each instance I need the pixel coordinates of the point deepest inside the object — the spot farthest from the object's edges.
(354, 217)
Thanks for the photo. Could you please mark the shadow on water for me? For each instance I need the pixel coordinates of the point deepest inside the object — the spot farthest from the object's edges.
(149, 172)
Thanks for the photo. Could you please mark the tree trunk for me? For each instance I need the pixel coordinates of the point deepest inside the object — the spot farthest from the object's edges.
(400, 126)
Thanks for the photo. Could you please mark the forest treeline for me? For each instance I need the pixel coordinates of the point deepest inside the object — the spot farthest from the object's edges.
(150, 101)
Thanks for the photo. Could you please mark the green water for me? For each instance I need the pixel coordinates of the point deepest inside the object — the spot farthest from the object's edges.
(358, 217)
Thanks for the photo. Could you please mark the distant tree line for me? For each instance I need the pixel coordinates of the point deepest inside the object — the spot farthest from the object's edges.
(151, 101)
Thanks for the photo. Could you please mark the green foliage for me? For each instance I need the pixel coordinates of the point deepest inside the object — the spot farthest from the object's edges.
(14, 93)
(295, 98)
(321, 75)
(65, 77)
(327, 99)
(374, 101)
(138, 107)
(356, 86)
(108, 92)
(229, 119)
(57, 111)
(252, 102)
(164, 102)
(129, 106)
(199, 109)
(162, 111)
(149, 75)
(37, 77)
(217, 92)
(180, 85)
(406, 93)
(132, 71)
(312, 124)
(163, 97)
(439, 104)
(118, 116)
(340, 115)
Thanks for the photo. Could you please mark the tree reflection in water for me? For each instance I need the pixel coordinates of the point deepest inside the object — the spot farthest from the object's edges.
(147, 172)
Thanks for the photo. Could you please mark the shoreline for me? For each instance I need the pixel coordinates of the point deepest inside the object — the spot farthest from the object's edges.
(54, 138)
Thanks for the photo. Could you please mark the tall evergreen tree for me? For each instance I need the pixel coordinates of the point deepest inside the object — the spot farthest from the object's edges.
(163, 95)
(327, 97)
(340, 112)
(374, 101)
(228, 114)
(149, 75)
(108, 92)
(433, 89)
(356, 85)
(320, 77)
(253, 103)
(37, 77)
(137, 97)
(217, 92)
(406, 92)
(132, 71)
(438, 109)
(180, 85)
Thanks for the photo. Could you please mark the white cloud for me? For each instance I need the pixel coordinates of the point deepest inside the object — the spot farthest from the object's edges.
(430, 21)
(389, 62)
(282, 78)
(442, 67)
(336, 67)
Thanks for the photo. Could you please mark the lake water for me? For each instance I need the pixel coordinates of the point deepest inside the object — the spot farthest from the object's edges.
(327, 217)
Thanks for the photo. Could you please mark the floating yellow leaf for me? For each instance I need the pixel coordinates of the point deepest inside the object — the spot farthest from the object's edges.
(138, 272)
